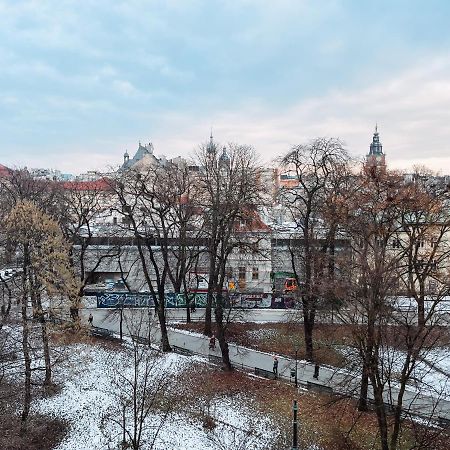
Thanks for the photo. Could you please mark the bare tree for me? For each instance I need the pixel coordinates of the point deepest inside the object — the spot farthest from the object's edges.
(424, 239)
(389, 344)
(183, 232)
(140, 392)
(314, 166)
(156, 206)
(86, 205)
(230, 191)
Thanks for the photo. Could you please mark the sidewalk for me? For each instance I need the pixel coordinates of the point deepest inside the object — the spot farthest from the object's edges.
(330, 380)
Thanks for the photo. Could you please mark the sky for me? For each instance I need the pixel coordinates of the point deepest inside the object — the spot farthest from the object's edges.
(83, 81)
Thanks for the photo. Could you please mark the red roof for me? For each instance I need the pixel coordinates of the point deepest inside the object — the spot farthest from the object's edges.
(102, 184)
(4, 171)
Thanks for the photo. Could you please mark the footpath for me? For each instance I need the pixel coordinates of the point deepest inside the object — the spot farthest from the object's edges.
(330, 380)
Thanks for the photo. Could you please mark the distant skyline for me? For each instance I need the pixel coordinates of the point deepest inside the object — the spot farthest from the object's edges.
(81, 82)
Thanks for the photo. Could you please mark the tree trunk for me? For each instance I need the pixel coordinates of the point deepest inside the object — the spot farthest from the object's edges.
(309, 341)
(121, 324)
(308, 326)
(218, 313)
(363, 392)
(44, 334)
(25, 347)
(421, 312)
(188, 308)
(212, 283)
(162, 325)
(381, 415)
(208, 314)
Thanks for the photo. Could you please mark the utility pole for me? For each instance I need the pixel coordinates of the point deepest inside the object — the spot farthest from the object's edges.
(295, 427)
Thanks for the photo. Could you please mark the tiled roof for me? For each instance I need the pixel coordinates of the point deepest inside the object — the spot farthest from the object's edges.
(102, 184)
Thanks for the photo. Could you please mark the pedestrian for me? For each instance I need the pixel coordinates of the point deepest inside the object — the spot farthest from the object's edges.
(91, 318)
(275, 366)
(316, 371)
(212, 342)
(193, 305)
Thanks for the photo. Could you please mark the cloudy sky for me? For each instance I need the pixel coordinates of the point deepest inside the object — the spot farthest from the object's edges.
(81, 81)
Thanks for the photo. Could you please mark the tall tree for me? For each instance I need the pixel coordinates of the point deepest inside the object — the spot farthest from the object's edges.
(424, 239)
(157, 207)
(85, 205)
(45, 264)
(390, 344)
(314, 166)
(230, 192)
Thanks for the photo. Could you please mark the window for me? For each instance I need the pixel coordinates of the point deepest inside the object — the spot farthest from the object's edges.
(420, 243)
(255, 273)
(396, 243)
(420, 264)
(229, 272)
(242, 273)
(432, 286)
(114, 220)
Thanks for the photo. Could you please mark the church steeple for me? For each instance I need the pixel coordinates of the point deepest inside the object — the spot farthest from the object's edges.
(224, 160)
(375, 147)
(210, 146)
(376, 159)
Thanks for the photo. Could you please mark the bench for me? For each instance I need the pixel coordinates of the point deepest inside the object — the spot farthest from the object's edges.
(215, 359)
(101, 332)
(265, 373)
(443, 422)
(139, 339)
(317, 387)
(181, 350)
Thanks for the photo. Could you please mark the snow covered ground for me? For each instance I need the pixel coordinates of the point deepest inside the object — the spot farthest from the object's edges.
(431, 374)
(87, 379)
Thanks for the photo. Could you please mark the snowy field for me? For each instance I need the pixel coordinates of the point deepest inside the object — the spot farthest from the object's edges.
(88, 379)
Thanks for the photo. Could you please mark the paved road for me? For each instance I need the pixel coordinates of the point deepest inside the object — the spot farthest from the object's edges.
(336, 380)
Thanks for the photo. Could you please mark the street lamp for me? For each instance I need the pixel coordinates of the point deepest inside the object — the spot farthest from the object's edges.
(294, 371)
(296, 365)
(294, 427)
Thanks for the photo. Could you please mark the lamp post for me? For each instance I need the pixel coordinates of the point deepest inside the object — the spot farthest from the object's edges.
(296, 363)
(294, 427)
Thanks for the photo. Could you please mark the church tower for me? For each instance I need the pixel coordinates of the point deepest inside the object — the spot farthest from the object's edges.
(376, 159)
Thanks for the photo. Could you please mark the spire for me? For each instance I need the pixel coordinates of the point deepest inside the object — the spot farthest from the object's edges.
(376, 147)
(376, 159)
(224, 159)
(210, 146)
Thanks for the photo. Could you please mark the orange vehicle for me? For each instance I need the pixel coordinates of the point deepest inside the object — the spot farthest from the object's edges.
(290, 285)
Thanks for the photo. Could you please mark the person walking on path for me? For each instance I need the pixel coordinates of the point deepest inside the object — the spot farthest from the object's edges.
(316, 371)
(212, 342)
(275, 366)
(91, 318)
